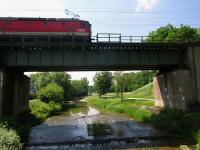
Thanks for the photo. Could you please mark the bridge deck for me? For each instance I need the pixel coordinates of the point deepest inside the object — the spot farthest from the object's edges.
(57, 56)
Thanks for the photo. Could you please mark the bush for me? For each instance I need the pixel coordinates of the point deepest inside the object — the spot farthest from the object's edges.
(51, 92)
(9, 139)
(169, 119)
(43, 110)
(183, 125)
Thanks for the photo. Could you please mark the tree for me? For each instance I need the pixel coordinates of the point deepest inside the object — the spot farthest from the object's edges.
(119, 82)
(80, 87)
(62, 79)
(132, 81)
(102, 83)
(52, 92)
(169, 33)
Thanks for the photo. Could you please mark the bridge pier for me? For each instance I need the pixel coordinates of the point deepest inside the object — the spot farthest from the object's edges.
(180, 88)
(14, 92)
(174, 90)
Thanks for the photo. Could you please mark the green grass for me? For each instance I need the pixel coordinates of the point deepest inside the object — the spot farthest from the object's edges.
(145, 92)
(137, 109)
(44, 110)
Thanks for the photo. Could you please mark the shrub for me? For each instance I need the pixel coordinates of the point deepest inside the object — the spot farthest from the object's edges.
(43, 110)
(178, 122)
(9, 139)
(171, 120)
(51, 92)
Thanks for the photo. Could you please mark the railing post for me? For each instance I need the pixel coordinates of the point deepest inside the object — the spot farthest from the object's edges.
(142, 39)
(120, 38)
(97, 37)
(109, 37)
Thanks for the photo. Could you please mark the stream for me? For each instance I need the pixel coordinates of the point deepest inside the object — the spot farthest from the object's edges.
(71, 130)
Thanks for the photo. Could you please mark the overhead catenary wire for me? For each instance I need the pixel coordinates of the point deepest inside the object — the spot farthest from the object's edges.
(182, 11)
(187, 15)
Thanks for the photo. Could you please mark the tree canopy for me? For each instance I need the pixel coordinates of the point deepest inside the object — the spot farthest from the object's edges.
(80, 87)
(170, 33)
(103, 82)
(72, 88)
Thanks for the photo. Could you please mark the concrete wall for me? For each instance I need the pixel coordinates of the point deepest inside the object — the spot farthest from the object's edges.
(21, 94)
(173, 90)
(14, 93)
(1, 92)
(196, 58)
(180, 88)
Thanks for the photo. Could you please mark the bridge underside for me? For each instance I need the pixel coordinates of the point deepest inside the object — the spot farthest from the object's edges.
(90, 57)
(177, 85)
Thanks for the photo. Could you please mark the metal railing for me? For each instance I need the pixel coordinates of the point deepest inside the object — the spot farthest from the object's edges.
(99, 38)
(118, 38)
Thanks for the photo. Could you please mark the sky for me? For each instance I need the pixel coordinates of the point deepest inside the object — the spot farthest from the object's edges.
(127, 17)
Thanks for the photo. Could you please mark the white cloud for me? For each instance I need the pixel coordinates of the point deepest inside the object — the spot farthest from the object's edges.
(146, 4)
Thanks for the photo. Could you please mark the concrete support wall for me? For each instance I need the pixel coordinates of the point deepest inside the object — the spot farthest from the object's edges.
(14, 93)
(21, 94)
(173, 90)
(196, 65)
(180, 88)
(1, 92)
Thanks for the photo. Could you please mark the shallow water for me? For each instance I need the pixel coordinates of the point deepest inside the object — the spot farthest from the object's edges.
(69, 130)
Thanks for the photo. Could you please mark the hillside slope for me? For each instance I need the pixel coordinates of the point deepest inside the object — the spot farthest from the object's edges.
(143, 92)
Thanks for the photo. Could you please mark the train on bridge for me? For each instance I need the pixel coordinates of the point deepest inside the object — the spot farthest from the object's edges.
(40, 29)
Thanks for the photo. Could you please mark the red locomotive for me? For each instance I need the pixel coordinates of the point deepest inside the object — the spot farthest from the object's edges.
(44, 29)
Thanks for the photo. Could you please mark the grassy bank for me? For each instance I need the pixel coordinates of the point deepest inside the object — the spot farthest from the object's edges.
(137, 109)
(176, 122)
(145, 92)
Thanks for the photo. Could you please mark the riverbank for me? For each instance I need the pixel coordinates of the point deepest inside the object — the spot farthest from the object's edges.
(140, 110)
(181, 125)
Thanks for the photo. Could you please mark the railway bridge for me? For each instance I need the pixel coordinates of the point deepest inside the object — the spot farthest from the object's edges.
(177, 85)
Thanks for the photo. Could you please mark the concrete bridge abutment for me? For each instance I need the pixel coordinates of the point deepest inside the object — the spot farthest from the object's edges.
(180, 88)
(14, 92)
